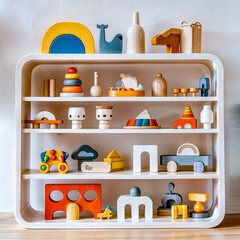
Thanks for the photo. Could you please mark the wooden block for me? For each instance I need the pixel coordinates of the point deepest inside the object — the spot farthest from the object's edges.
(96, 167)
(115, 160)
(153, 155)
(43, 115)
(52, 90)
(179, 210)
(170, 38)
(44, 121)
(144, 115)
(46, 87)
(164, 212)
(73, 211)
(185, 123)
(187, 149)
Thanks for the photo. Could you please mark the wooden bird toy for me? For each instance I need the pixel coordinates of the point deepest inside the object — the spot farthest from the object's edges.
(170, 38)
(108, 213)
(198, 207)
(187, 120)
(51, 157)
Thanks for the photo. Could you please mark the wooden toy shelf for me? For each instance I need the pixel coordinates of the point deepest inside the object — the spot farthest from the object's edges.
(29, 187)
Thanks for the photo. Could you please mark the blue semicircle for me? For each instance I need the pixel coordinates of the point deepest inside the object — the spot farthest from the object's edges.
(67, 43)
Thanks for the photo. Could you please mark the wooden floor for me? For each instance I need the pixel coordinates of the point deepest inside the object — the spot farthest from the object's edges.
(229, 229)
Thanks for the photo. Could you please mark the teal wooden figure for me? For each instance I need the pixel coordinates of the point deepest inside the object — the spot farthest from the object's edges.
(115, 46)
(204, 86)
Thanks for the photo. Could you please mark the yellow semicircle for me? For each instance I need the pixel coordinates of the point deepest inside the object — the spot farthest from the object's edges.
(73, 28)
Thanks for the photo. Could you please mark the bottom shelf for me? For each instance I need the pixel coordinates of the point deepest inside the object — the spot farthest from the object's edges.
(31, 218)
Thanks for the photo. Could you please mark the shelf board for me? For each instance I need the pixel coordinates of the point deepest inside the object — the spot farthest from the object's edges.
(120, 130)
(31, 218)
(127, 174)
(120, 99)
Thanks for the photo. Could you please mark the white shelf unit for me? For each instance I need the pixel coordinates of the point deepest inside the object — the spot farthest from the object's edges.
(30, 71)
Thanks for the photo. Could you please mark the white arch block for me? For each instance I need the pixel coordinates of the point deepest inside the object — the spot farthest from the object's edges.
(45, 114)
(153, 155)
(135, 202)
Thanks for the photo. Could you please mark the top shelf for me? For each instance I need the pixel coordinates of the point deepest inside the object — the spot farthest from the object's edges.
(120, 99)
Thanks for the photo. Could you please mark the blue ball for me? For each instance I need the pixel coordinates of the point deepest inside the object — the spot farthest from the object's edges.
(72, 82)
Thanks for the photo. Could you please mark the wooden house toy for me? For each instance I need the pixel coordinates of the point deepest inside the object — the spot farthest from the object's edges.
(115, 160)
(45, 117)
(72, 208)
(187, 120)
(48, 158)
(142, 121)
(187, 155)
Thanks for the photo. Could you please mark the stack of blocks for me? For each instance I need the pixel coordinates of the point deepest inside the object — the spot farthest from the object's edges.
(72, 84)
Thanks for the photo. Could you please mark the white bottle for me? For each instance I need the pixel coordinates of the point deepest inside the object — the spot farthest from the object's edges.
(206, 117)
(135, 37)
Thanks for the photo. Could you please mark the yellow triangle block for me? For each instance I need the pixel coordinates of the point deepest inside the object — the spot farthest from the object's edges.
(113, 154)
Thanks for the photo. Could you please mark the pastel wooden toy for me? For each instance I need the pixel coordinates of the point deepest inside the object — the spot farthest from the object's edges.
(76, 115)
(187, 155)
(187, 120)
(176, 91)
(95, 167)
(198, 207)
(48, 158)
(52, 88)
(115, 46)
(128, 81)
(126, 93)
(96, 90)
(159, 86)
(191, 37)
(135, 37)
(115, 160)
(153, 155)
(46, 87)
(179, 210)
(134, 201)
(184, 91)
(108, 213)
(142, 121)
(168, 200)
(68, 37)
(104, 115)
(44, 117)
(169, 38)
(204, 86)
(84, 154)
(206, 117)
(194, 91)
(67, 205)
(72, 84)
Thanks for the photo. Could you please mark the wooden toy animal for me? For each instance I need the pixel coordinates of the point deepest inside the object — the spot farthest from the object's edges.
(108, 213)
(51, 157)
(115, 46)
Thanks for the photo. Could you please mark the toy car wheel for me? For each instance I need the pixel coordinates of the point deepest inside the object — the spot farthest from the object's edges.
(62, 167)
(43, 168)
(172, 166)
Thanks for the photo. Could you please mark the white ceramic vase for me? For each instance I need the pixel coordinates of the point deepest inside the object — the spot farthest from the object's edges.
(135, 37)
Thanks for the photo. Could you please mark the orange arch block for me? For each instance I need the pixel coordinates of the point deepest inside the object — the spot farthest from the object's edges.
(53, 206)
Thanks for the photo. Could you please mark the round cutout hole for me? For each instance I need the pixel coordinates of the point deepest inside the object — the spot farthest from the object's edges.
(73, 195)
(56, 196)
(90, 195)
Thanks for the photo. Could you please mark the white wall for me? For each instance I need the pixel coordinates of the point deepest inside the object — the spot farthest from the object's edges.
(23, 24)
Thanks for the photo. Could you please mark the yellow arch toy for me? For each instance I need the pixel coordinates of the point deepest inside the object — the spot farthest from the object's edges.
(71, 28)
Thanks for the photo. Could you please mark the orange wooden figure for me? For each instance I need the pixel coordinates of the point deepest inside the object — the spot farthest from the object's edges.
(170, 38)
(52, 206)
(187, 120)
